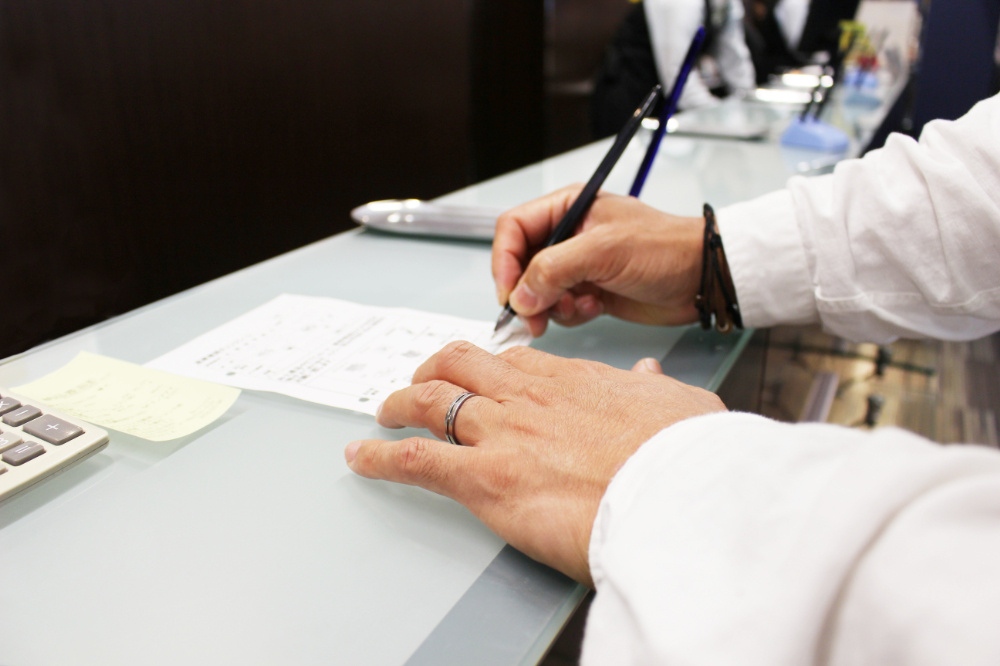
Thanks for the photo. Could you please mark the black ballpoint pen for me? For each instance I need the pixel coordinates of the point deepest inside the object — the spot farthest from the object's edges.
(575, 214)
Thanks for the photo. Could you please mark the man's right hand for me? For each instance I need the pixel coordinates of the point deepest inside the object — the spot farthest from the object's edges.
(626, 259)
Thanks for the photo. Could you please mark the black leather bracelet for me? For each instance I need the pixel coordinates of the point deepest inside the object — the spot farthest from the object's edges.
(716, 299)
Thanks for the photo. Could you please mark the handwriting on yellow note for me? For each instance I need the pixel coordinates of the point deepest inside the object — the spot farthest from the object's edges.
(129, 398)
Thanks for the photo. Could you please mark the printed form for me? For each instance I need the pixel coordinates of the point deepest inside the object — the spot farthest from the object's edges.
(326, 350)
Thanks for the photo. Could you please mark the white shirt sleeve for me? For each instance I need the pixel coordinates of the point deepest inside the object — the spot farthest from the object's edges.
(901, 243)
(732, 539)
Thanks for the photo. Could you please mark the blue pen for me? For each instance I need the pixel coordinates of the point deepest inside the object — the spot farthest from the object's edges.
(669, 107)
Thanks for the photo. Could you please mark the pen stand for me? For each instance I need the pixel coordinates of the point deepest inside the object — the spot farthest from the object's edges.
(863, 87)
(864, 99)
(814, 134)
(863, 79)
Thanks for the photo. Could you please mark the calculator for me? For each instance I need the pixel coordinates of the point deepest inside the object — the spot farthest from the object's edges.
(36, 441)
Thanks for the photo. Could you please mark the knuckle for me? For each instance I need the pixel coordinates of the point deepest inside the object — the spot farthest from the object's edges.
(430, 395)
(542, 393)
(573, 369)
(515, 353)
(455, 352)
(604, 232)
(455, 356)
(413, 459)
(585, 367)
(507, 220)
(496, 482)
(455, 347)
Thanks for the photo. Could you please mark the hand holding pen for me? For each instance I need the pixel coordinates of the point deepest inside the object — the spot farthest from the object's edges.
(571, 220)
(573, 217)
(629, 260)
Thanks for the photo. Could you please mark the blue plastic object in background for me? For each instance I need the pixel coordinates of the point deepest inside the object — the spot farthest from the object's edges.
(863, 87)
(814, 134)
(861, 78)
(862, 99)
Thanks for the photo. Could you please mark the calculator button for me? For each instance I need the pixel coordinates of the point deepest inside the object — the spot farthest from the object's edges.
(56, 440)
(22, 415)
(7, 404)
(23, 453)
(53, 430)
(9, 440)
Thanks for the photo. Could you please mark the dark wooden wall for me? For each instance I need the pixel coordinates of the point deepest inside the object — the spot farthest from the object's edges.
(149, 145)
(507, 47)
(577, 34)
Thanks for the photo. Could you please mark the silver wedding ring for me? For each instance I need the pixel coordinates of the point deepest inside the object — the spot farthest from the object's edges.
(449, 418)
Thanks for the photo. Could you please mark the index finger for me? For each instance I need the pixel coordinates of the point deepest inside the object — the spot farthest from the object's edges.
(521, 230)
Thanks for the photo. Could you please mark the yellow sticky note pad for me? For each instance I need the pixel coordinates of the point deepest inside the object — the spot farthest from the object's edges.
(129, 398)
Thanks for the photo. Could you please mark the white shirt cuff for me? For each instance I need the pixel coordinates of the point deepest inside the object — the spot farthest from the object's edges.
(768, 261)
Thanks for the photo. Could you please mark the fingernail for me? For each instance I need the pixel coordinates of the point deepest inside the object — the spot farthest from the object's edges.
(523, 298)
(590, 306)
(651, 365)
(378, 410)
(562, 310)
(351, 451)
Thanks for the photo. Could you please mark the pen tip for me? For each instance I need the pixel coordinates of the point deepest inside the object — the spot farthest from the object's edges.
(505, 317)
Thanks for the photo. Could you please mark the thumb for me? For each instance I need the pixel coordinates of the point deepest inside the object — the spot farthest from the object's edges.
(554, 271)
(648, 366)
(416, 461)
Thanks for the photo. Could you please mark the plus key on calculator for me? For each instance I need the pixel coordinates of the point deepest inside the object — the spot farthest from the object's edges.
(36, 441)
